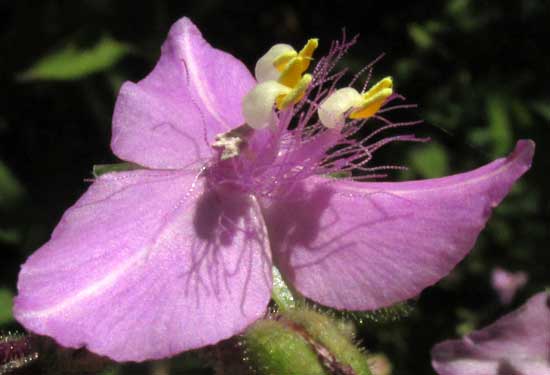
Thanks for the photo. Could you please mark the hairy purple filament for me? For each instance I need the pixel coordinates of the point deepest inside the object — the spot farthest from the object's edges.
(298, 145)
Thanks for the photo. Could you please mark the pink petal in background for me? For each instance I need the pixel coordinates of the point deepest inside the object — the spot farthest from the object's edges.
(516, 344)
(506, 284)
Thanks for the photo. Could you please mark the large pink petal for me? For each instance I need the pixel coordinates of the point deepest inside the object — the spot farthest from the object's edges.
(148, 264)
(357, 246)
(516, 344)
(170, 118)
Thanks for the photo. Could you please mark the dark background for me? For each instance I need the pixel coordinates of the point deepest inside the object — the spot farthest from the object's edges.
(479, 71)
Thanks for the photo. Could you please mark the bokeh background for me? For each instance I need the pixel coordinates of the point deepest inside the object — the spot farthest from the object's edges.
(479, 71)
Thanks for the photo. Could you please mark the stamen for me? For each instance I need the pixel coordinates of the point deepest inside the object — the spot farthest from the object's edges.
(371, 105)
(258, 103)
(306, 54)
(299, 108)
(292, 73)
(332, 111)
(279, 73)
(296, 94)
(266, 70)
(337, 106)
(281, 61)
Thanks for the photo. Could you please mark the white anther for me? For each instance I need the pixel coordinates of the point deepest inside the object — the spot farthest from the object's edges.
(333, 110)
(258, 104)
(265, 69)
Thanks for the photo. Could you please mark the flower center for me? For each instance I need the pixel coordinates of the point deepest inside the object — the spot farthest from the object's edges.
(287, 138)
(232, 142)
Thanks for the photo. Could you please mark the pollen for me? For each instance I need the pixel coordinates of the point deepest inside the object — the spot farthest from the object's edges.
(373, 99)
(292, 68)
(295, 94)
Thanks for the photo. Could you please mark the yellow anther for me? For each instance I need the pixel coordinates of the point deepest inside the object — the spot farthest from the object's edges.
(307, 52)
(281, 61)
(295, 94)
(292, 65)
(286, 58)
(384, 83)
(291, 76)
(373, 99)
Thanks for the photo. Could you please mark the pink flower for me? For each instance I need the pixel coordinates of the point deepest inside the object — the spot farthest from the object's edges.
(506, 283)
(178, 255)
(516, 344)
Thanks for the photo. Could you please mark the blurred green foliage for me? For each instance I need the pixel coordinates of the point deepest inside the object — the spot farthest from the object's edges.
(6, 297)
(429, 161)
(11, 190)
(477, 69)
(72, 63)
(99, 169)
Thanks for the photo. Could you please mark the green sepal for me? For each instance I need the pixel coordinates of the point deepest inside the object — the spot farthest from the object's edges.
(272, 348)
(383, 315)
(100, 169)
(281, 292)
(303, 341)
(328, 333)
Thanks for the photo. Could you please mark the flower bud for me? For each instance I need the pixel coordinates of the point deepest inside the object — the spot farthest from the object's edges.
(273, 348)
(302, 341)
(342, 353)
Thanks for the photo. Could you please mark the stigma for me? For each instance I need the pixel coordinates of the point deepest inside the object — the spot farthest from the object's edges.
(348, 102)
(281, 82)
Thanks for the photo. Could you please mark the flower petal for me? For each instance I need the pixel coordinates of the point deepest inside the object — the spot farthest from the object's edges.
(518, 344)
(357, 246)
(148, 264)
(170, 118)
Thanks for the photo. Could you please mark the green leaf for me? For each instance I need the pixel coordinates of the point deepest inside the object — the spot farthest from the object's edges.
(457, 7)
(421, 36)
(499, 124)
(430, 161)
(542, 108)
(100, 169)
(521, 113)
(10, 236)
(71, 63)
(3, 125)
(11, 191)
(6, 304)
(111, 371)
(468, 321)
